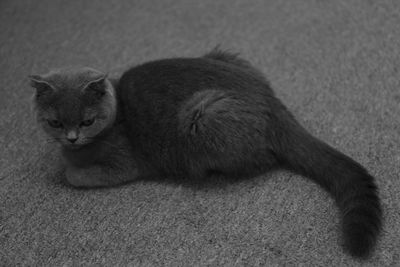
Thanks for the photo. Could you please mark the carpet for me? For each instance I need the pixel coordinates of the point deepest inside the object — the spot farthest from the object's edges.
(333, 63)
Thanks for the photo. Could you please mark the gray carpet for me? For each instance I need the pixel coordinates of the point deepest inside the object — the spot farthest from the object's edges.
(335, 65)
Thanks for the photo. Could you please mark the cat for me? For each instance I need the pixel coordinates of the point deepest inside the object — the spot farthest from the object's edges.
(217, 114)
(77, 107)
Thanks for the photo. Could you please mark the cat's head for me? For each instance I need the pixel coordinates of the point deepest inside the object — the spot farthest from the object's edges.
(74, 105)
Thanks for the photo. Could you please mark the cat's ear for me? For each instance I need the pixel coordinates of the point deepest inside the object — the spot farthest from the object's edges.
(40, 84)
(97, 86)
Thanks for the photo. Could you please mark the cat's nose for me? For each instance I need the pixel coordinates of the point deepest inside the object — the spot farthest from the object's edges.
(72, 136)
(72, 140)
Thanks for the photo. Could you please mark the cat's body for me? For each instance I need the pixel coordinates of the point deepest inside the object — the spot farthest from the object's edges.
(200, 116)
(192, 117)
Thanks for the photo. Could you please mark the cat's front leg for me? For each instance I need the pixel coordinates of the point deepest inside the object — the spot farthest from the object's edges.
(98, 176)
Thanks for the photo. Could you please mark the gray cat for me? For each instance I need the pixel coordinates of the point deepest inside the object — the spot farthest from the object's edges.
(194, 117)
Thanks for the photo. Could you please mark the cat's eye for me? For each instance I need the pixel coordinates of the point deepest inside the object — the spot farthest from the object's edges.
(55, 123)
(87, 123)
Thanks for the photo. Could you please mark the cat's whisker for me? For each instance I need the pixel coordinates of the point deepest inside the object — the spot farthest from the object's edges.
(52, 142)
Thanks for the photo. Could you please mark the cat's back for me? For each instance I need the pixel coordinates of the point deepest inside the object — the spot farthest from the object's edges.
(177, 79)
(152, 94)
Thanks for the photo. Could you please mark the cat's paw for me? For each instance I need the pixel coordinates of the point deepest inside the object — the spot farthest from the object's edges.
(74, 177)
(80, 177)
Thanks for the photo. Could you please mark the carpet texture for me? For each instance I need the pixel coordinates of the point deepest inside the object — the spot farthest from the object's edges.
(333, 63)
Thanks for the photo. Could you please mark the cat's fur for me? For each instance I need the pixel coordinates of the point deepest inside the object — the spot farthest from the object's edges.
(192, 117)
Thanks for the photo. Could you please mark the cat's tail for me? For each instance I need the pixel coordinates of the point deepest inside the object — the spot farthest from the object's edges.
(350, 184)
